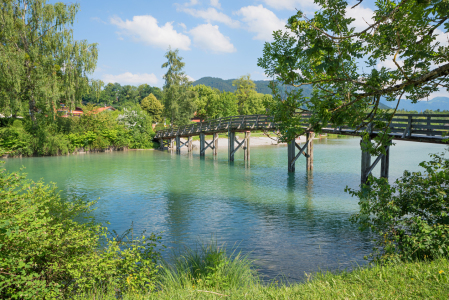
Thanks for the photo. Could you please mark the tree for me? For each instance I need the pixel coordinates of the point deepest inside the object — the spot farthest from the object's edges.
(153, 107)
(40, 63)
(144, 90)
(178, 99)
(206, 101)
(245, 88)
(342, 64)
(111, 93)
(129, 93)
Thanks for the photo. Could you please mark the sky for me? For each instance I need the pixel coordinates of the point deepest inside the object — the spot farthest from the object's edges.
(216, 38)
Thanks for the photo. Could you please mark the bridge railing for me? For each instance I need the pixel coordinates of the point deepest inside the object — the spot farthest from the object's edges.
(402, 125)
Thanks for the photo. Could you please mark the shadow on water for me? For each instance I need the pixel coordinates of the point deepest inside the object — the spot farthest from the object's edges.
(290, 222)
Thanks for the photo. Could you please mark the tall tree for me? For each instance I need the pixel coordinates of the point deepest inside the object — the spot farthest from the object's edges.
(178, 99)
(40, 63)
(347, 66)
(111, 93)
(153, 107)
(246, 88)
(206, 101)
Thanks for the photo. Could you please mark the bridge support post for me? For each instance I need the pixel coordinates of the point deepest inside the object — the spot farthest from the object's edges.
(215, 143)
(366, 162)
(202, 144)
(385, 163)
(309, 157)
(189, 144)
(172, 144)
(161, 144)
(291, 155)
(231, 137)
(178, 144)
(246, 146)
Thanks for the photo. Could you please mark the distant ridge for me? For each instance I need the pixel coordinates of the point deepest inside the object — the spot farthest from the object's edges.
(441, 103)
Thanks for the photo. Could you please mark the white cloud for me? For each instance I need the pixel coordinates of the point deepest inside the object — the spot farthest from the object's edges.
(362, 16)
(190, 78)
(443, 37)
(262, 21)
(130, 78)
(145, 29)
(183, 25)
(191, 3)
(291, 4)
(210, 15)
(215, 3)
(97, 19)
(208, 37)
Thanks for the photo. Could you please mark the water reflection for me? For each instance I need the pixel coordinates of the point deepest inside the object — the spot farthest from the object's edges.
(290, 222)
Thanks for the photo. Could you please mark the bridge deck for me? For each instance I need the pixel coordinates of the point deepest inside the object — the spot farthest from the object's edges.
(429, 128)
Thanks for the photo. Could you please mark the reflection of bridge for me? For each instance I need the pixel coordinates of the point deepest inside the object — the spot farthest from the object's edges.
(409, 127)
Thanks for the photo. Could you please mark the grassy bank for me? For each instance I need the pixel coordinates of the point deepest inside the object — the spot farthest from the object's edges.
(417, 280)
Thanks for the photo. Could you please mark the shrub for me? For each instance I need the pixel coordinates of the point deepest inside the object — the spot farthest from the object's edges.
(45, 254)
(15, 140)
(410, 218)
(207, 266)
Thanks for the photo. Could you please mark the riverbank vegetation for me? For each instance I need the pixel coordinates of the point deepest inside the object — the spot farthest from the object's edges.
(51, 247)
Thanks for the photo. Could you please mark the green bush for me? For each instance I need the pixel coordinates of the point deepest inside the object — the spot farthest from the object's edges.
(45, 254)
(410, 218)
(15, 140)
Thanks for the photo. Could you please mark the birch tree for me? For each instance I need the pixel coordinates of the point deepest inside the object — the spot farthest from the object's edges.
(40, 62)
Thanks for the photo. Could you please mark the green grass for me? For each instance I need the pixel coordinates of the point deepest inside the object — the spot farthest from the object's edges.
(235, 279)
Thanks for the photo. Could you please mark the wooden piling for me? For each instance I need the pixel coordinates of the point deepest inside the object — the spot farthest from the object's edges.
(172, 144)
(215, 143)
(385, 163)
(178, 144)
(246, 146)
(189, 144)
(202, 144)
(291, 155)
(161, 144)
(309, 157)
(231, 145)
(366, 163)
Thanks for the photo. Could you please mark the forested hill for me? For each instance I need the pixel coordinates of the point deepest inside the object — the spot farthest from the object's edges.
(261, 86)
(226, 85)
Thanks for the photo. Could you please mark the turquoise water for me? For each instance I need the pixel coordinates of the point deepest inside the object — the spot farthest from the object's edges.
(290, 223)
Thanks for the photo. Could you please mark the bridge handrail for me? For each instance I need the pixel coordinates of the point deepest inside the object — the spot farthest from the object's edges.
(406, 124)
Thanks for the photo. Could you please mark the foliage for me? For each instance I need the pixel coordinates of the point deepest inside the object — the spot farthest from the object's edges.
(178, 99)
(40, 63)
(341, 63)
(410, 218)
(153, 107)
(140, 131)
(15, 140)
(207, 266)
(45, 254)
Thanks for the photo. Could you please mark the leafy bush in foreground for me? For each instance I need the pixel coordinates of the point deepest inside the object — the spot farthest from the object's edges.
(410, 217)
(44, 253)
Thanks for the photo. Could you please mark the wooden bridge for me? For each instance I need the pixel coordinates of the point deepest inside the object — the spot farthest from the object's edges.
(430, 128)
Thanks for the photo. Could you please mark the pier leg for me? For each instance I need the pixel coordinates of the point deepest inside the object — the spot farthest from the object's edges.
(366, 163)
(215, 138)
(246, 146)
(231, 137)
(291, 155)
(202, 144)
(161, 144)
(172, 144)
(189, 144)
(385, 163)
(178, 144)
(309, 158)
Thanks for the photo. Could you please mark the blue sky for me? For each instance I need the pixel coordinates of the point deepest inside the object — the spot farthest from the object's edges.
(218, 38)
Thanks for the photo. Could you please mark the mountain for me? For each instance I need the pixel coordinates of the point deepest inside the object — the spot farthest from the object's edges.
(226, 85)
(441, 103)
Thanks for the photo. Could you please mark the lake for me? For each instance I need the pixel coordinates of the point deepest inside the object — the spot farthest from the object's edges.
(289, 223)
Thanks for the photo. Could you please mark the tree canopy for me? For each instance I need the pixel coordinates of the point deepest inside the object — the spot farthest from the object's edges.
(348, 67)
(178, 99)
(40, 63)
(153, 107)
